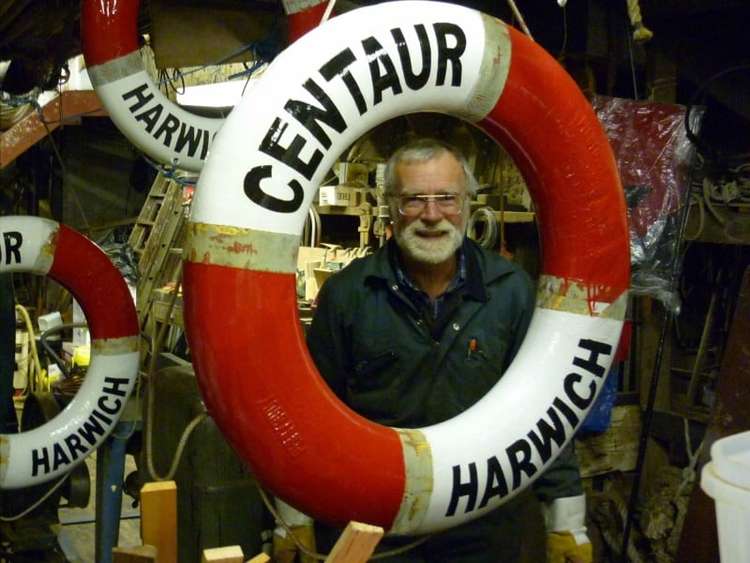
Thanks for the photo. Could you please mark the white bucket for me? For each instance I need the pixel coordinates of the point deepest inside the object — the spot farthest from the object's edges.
(727, 480)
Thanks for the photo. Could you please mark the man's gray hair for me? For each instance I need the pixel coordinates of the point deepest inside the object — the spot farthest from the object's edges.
(423, 150)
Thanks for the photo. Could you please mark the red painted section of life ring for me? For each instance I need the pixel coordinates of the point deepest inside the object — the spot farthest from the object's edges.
(109, 29)
(87, 272)
(568, 204)
(301, 22)
(368, 454)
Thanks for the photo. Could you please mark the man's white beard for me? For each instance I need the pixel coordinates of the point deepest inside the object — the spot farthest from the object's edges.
(426, 249)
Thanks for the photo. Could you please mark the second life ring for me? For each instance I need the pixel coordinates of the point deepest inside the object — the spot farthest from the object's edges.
(153, 123)
(40, 246)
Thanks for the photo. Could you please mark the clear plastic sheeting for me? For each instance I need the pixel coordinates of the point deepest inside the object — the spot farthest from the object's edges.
(653, 156)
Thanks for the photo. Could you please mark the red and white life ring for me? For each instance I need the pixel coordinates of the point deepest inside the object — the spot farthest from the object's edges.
(152, 122)
(318, 97)
(40, 246)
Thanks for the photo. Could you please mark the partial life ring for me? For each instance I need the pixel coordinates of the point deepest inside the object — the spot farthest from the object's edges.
(152, 122)
(43, 247)
(259, 382)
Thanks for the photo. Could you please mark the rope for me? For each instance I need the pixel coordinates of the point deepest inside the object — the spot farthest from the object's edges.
(641, 33)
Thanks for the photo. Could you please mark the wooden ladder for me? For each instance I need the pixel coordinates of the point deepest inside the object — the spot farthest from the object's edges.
(157, 231)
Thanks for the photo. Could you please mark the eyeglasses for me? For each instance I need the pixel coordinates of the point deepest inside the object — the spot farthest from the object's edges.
(413, 205)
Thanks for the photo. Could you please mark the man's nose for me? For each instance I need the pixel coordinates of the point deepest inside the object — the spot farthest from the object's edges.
(431, 211)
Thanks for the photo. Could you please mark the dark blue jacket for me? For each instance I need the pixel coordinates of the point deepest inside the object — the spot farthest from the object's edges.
(384, 358)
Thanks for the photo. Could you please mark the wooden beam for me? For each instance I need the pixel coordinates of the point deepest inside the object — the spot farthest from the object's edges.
(231, 554)
(699, 542)
(66, 109)
(159, 518)
(140, 554)
(260, 558)
(356, 544)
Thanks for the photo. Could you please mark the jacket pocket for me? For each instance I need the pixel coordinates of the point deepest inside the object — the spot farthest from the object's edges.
(365, 371)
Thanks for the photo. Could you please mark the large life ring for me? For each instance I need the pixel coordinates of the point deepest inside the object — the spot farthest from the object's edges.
(40, 246)
(258, 380)
(153, 123)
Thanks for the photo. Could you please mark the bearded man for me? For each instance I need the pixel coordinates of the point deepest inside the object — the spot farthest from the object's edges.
(419, 331)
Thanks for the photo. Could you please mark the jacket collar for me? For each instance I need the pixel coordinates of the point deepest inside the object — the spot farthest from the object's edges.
(480, 268)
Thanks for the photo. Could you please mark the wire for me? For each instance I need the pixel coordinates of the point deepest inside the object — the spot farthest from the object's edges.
(47, 348)
(58, 156)
(691, 134)
(485, 215)
(632, 66)
(564, 46)
(192, 425)
(517, 14)
(31, 381)
(37, 503)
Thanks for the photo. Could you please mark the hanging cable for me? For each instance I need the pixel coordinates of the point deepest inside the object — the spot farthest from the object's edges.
(37, 503)
(517, 14)
(564, 46)
(632, 67)
(692, 134)
(151, 390)
(48, 349)
(32, 380)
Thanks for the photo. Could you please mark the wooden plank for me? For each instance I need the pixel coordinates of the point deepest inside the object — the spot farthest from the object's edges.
(140, 554)
(159, 518)
(260, 558)
(356, 544)
(231, 554)
(613, 450)
(66, 109)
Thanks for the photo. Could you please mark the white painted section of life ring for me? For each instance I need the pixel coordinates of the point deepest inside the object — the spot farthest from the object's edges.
(225, 171)
(151, 121)
(24, 244)
(59, 445)
(531, 398)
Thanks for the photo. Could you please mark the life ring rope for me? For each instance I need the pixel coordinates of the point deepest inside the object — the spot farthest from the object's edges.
(43, 247)
(259, 383)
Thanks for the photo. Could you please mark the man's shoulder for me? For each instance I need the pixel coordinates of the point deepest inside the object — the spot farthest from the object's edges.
(353, 276)
(495, 266)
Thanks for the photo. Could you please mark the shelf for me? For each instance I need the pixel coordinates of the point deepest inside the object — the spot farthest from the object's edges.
(515, 216)
(66, 109)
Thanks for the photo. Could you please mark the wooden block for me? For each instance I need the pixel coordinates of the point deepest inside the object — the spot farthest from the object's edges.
(140, 554)
(159, 518)
(231, 554)
(261, 558)
(356, 544)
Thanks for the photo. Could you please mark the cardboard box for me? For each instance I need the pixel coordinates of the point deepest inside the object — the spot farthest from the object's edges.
(337, 195)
